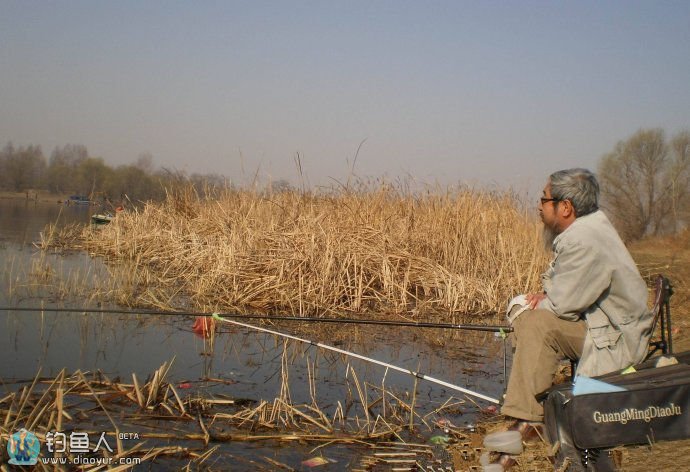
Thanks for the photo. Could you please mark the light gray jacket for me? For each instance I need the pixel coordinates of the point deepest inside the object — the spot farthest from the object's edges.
(593, 277)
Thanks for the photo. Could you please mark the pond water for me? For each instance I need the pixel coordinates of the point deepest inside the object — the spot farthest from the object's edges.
(244, 363)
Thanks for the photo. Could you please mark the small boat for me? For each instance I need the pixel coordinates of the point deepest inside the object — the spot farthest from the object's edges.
(105, 217)
(102, 218)
(78, 200)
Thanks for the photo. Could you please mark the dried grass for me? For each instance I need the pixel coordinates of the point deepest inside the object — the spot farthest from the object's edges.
(167, 424)
(380, 250)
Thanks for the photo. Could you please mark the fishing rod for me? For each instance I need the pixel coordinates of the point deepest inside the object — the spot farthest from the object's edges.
(218, 317)
(412, 324)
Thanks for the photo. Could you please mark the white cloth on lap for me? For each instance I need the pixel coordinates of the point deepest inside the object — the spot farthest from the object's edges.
(519, 305)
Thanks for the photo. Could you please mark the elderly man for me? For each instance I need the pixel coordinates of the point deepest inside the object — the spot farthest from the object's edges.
(593, 306)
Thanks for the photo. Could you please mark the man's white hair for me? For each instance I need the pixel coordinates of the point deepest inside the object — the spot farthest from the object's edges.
(580, 186)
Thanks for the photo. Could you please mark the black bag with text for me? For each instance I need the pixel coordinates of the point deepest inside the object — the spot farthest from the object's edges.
(654, 406)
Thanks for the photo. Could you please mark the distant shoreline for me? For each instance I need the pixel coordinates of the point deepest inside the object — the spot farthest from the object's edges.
(42, 196)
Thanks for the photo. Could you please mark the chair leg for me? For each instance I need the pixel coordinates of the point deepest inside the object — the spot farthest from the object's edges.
(669, 342)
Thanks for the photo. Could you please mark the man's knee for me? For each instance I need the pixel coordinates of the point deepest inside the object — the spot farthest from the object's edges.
(534, 322)
(543, 327)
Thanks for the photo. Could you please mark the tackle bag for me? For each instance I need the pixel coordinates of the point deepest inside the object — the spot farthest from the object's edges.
(652, 404)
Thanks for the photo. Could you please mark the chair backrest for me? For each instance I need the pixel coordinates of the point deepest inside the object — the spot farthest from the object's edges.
(661, 310)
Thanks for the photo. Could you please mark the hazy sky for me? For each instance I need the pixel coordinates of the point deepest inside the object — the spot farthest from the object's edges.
(442, 91)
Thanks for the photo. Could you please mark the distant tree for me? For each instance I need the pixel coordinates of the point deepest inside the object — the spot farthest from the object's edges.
(5, 155)
(60, 176)
(145, 162)
(644, 184)
(216, 181)
(207, 185)
(70, 154)
(279, 186)
(679, 178)
(70, 169)
(91, 175)
(22, 168)
(133, 183)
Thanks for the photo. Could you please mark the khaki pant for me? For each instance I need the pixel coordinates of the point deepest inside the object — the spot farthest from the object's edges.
(540, 340)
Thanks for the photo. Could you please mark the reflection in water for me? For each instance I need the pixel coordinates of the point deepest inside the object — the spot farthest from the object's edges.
(237, 362)
(204, 327)
(21, 221)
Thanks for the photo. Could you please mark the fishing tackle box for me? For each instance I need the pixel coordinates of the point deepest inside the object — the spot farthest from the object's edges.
(654, 406)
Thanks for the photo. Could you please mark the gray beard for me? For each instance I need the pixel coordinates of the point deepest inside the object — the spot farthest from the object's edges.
(548, 235)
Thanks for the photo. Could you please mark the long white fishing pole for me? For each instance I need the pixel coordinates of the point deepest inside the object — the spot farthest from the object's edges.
(428, 378)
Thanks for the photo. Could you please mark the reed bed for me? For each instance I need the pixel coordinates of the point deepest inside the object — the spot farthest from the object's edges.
(382, 251)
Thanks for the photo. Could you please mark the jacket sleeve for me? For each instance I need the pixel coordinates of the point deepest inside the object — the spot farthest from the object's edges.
(576, 280)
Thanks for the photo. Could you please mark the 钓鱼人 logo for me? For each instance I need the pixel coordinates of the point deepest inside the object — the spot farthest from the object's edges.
(23, 448)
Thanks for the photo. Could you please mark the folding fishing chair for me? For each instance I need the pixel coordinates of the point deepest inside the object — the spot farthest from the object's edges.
(662, 316)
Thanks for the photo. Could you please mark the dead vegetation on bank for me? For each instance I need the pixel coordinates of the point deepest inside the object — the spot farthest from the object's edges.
(190, 429)
(380, 251)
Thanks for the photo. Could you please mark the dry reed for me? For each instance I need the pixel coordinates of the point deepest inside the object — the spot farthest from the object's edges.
(380, 251)
(166, 423)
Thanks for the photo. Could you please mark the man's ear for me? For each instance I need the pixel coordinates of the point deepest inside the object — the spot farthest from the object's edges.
(568, 209)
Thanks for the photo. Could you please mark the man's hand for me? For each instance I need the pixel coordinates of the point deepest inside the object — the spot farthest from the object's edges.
(533, 299)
